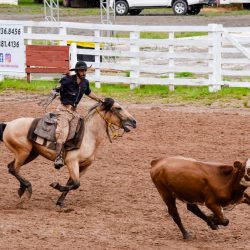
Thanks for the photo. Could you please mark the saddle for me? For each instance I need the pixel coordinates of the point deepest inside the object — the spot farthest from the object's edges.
(42, 131)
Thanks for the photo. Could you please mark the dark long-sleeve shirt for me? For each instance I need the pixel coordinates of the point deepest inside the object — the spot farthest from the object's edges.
(70, 91)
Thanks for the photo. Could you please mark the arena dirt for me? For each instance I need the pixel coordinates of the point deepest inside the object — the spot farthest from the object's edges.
(117, 206)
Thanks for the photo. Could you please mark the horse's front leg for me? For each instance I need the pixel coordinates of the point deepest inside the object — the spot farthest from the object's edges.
(69, 186)
(73, 182)
(60, 201)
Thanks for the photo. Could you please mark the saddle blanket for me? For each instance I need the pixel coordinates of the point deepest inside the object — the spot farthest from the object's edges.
(42, 131)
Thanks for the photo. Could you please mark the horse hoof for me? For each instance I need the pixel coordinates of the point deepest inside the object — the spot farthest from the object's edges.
(65, 210)
(20, 192)
(54, 185)
(187, 237)
(23, 200)
(60, 204)
(28, 192)
(20, 205)
(24, 194)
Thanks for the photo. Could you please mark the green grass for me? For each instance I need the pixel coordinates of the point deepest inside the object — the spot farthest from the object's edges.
(233, 97)
(184, 74)
(160, 35)
(23, 85)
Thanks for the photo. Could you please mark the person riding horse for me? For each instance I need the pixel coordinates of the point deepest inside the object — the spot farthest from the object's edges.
(71, 90)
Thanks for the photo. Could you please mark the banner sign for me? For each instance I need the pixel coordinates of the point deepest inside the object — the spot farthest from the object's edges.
(12, 50)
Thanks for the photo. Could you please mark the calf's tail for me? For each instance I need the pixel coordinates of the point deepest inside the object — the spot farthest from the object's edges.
(2, 128)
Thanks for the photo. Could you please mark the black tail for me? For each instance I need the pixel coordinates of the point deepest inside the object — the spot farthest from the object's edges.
(2, 128)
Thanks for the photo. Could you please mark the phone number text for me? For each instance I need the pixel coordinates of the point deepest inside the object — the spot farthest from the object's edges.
(10, 31)
(9, 44)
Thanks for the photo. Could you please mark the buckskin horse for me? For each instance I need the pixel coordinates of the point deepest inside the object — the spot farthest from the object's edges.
(100, 119)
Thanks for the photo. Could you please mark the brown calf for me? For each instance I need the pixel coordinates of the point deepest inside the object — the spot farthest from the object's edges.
(214, 185)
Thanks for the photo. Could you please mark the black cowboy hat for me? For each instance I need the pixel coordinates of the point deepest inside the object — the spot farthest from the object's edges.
(80, 65)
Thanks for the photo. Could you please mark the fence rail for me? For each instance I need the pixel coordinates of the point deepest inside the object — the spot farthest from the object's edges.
(153, 54)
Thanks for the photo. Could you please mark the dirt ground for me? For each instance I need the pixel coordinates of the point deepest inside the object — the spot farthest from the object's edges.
(117, 206)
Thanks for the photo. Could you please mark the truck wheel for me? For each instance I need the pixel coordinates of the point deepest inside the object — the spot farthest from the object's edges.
(121, 8)
(194, 10)
(134, 12)
(180, 7)
(246, 6)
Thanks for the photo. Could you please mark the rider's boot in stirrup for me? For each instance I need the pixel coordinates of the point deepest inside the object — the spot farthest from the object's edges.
(59, 156)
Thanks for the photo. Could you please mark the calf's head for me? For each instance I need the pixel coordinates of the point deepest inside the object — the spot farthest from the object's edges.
(245, 180)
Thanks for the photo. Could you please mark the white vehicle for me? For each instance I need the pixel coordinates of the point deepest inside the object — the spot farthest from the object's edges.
(180, 7)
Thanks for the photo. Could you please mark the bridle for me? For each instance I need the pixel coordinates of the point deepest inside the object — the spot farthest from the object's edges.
(110, 126)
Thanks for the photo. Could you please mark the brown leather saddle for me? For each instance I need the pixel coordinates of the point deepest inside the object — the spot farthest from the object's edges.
(42, 131)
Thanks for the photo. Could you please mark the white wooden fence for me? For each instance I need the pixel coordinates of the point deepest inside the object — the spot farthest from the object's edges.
(219, 56)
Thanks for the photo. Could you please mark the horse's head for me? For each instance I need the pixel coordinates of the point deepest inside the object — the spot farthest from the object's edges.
(116, 115)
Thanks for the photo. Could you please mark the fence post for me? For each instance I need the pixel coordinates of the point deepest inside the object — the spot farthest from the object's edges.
(72, 56)
(29, 31)
(171, 60)
(97, 60)
(63, 31)
(135, 60)
(216, 51)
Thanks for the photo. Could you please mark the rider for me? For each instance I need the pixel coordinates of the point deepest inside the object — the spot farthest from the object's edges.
(71, 90)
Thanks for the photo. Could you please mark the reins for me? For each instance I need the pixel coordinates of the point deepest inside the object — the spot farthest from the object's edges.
(110, 126)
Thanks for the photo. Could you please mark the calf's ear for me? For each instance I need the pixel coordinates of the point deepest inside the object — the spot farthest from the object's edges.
(238, 165)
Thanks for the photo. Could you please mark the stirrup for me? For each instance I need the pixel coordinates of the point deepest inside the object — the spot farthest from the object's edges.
(58, 162)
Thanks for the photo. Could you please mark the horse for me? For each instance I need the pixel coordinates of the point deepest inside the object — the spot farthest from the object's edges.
(99, 121)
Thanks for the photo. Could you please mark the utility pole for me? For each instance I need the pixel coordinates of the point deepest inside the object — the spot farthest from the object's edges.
(107, 9)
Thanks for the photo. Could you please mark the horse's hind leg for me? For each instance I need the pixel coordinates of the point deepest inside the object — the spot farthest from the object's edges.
(14, 168)
(24, 184)
(196, 210)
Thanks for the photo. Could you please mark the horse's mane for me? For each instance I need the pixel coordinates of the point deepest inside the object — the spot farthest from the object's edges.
(106, 105)
(93, 107)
